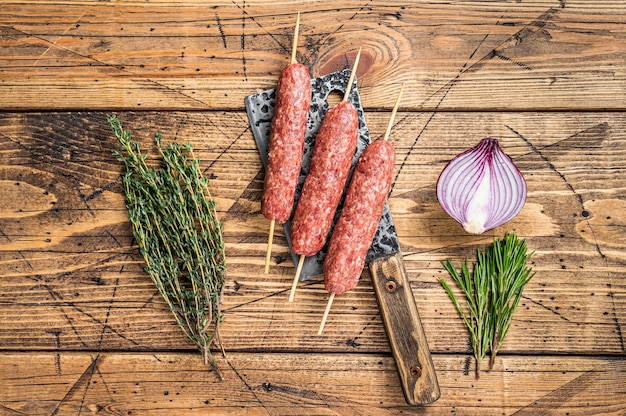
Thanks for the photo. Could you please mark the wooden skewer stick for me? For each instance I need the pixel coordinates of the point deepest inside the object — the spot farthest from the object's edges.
(268, 254)
(352, 75)
(393, 113)
(325, 317)
(292, 293)
(294, 46)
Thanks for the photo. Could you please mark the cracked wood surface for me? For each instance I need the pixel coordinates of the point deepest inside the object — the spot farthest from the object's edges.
(297, 384)
(210, 55)
(73, 280)
(82, 328)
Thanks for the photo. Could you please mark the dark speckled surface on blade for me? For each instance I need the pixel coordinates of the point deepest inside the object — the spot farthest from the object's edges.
(260, 108)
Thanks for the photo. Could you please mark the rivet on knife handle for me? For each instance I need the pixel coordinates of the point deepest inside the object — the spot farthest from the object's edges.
(404, 330)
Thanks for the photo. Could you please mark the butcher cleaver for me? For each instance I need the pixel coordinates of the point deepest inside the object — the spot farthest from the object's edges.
(389, 277)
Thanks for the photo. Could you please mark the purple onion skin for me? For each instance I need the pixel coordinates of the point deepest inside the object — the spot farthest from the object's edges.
(481, 188)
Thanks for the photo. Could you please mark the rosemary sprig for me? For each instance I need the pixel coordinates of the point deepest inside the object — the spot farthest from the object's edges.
(492, 290)
(178, 233)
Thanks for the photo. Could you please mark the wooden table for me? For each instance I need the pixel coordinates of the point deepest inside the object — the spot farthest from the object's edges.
(83, 329)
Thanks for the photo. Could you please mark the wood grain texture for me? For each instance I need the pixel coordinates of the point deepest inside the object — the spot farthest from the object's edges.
(548, 54)
(68, 254)
(83, 329)
(300, 384)
(404, 329)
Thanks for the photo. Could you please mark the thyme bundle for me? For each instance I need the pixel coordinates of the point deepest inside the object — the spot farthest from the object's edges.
(493, 290)
(178, 233)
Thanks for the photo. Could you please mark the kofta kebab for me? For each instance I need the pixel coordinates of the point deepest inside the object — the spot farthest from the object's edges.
(286, 143)
(331, 160)
(357, 224)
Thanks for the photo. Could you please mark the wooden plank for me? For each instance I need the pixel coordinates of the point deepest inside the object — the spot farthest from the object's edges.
(481, 55)
(303, 384)
(72, 278)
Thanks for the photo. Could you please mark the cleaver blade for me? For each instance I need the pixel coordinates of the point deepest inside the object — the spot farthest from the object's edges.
(395, 298)
(260, 108)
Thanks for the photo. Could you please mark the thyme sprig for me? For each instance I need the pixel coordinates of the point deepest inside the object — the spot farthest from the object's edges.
(492, 290)
(176, 227)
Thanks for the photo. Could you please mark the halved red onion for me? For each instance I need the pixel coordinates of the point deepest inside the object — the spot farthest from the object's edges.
(481, 188)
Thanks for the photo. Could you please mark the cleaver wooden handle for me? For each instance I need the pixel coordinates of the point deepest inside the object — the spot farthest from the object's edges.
(404, 329)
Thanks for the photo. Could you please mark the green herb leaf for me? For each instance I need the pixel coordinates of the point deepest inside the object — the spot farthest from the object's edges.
(178, 233)
(492, 291)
